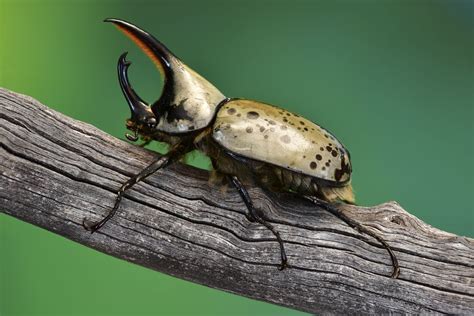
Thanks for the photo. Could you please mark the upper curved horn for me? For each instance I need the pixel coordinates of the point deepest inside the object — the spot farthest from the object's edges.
(158, 53)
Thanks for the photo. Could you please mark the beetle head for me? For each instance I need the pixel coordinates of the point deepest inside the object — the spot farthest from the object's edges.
(188, 101)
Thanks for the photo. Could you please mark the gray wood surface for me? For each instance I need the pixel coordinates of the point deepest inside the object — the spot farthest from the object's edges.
(54, 171)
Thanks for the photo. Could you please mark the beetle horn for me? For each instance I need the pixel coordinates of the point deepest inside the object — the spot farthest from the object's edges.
(139, 109)
(185, 94)
(153, 48)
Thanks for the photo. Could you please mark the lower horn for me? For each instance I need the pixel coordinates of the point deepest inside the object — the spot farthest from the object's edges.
(140, 111)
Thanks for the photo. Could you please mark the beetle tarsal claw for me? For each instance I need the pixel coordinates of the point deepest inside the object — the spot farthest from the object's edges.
(89, 225)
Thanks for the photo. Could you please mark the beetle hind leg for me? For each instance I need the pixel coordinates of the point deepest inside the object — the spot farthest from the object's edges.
(254, 216)
(360, 228)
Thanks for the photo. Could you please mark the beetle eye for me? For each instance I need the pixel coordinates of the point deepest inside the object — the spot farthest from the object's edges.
(151, 122)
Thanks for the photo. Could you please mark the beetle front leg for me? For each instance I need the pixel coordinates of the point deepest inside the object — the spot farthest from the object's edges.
(254, 216)
(175, 154)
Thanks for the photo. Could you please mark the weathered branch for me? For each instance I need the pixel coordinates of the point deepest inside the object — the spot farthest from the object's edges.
(54, 171)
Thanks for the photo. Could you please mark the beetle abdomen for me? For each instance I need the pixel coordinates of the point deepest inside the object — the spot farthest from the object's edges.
(269, 134)
(271, 176)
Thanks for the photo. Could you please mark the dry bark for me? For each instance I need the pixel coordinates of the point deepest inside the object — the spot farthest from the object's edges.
(54, 171)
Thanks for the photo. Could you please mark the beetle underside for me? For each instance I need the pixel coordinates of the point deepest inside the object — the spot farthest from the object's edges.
(192, 114)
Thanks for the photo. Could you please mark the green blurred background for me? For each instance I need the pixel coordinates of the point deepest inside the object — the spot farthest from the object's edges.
(393, 80)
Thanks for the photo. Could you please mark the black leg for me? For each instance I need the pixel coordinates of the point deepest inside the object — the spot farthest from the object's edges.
(161, 162)
(362, 229)
(253, 216)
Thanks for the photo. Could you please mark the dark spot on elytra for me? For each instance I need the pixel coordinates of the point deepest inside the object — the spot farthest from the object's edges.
(249, 130)
(326, 135)
(231, 111)
(313, 142)
(271, 122)
(286, 139)
(345, 168)
(313, 165)
(321, 148)
(319, 157)
(328, 148)
(306, 129)
(299, 128)
(327, 164)
(334, 153)
(239, 115)
(288, 114)
(304, 156)
(324, 168)
(265, 136)
(252, 115)
(285, 119)
(262, 129)
(301, 122)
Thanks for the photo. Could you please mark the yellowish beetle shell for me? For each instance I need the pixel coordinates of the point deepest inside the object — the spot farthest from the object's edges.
(269, 134)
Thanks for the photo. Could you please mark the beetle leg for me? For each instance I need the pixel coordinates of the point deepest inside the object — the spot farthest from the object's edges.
(163, 161)
(359, 227)
(253, 216)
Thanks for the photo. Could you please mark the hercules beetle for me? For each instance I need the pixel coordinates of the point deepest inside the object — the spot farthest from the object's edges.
(248, 141)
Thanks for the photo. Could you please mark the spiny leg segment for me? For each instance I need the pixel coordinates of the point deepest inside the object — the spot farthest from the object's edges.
(253, 216)
(359, 227)
(159, 163)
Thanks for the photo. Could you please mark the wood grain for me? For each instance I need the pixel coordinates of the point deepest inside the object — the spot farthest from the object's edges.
(54, 171)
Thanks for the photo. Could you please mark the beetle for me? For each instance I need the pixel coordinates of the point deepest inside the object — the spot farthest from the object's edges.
(247, 141)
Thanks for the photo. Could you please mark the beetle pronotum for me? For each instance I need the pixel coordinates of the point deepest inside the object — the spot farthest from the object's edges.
(248, 141)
